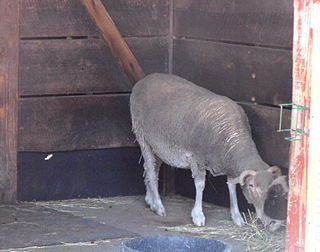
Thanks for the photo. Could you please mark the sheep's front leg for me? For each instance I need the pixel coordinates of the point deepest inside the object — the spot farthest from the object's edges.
(234, 209)
(199, 181)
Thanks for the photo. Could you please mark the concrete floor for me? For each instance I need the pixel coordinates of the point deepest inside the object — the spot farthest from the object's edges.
(130, 213)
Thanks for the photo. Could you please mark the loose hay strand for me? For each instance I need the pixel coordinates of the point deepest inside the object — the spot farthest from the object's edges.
(256, 237)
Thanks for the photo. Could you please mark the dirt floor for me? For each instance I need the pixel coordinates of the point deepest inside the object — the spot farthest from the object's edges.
(83, 224)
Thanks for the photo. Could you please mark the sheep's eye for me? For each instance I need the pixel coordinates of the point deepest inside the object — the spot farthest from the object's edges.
(251, 185)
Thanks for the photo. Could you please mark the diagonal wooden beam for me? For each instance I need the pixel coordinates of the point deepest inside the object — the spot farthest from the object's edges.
(112, 36)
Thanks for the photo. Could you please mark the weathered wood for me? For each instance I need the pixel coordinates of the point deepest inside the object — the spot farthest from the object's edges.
(68, 66)
(58, 18)
(304, 73)
(90, 173)
(74, 123)
(49, 67)
(9, 36)
(112, 36)
(264, 121)
(313, 176)
(243, 73)
(256, 22)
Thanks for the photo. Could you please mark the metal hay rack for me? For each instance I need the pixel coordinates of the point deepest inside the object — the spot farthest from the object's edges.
(297, 131)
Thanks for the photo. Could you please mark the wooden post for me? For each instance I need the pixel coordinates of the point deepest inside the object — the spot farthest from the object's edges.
(9, 44)
(304, 78)
(313, 175)
(112, 36)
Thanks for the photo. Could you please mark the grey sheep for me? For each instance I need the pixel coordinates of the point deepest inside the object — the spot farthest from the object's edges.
(189, 127)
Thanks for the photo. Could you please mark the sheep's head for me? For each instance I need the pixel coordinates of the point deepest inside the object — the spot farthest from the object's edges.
(255, 186)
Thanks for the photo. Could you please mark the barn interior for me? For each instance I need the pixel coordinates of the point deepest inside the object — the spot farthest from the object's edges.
(78, 164)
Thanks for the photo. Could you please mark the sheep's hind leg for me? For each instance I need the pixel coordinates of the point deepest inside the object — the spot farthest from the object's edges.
(151, 172)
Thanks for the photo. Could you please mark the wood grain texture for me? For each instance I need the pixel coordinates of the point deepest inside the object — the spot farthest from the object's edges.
(303, 55)
(84, 66)
(264, 121)
(80, 174)
(9, 36)
(111, 35)
(247, 21)
(312, 242)
(74, 123)
(244, 73)
(68, 66)
(56, 18)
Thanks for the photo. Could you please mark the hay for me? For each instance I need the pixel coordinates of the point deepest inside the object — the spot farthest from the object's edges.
(253, 235)
(90, 203)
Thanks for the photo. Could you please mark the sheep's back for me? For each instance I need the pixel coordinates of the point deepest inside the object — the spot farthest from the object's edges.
(168, 109)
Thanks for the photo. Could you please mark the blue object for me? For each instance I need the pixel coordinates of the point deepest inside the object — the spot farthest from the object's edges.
(173, 243)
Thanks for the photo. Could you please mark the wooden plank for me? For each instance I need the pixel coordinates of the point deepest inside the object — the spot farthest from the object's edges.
(74, 123)
(49, 67)
(68, 66)
(304, 74)
(56, 18)
(79, 174)
(244, 73)
(313, 177)
(152, 53)
(115, 41)
(9, 51)
(256, 22)
(264, 121)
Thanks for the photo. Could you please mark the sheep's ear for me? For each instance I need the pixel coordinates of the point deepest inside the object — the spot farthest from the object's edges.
(275, 170)
(245, 175)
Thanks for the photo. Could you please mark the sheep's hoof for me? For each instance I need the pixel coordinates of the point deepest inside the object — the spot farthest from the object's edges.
(161, 212)
(238, 220)
(158, 209)
(198, 218)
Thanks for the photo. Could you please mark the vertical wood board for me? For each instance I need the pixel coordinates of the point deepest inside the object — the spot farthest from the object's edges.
(9, 35)
(296, 221)
(313, 175)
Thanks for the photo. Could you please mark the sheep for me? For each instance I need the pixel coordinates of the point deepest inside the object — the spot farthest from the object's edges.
(189, 127)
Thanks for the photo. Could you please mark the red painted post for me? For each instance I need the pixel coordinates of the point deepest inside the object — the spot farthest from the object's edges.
(302, 74)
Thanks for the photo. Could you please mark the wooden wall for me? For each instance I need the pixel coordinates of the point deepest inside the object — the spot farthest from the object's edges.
(74, 96)
(241, 49)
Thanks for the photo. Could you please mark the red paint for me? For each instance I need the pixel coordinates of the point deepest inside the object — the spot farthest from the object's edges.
(303, 35)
